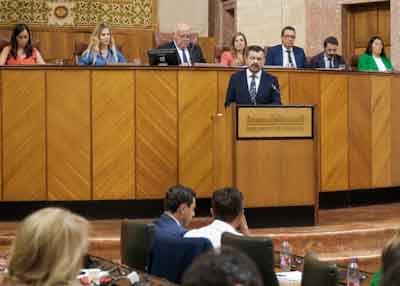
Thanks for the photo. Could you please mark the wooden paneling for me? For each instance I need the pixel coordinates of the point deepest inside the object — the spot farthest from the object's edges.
(207, 45)
(283, 78)
(113, 105)
(273, 183)
(381, 129)
(24, 155)
(156, 132)
(304, 88)
(395, 130)
(334, 132)
(68, 133)
(365, 25)
(384, 25)
(360, 132)
(198, 95)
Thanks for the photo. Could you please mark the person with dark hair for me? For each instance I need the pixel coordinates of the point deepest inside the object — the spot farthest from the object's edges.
(253, 85)
(329, 58)
(392, 277)
(236, 56)
(390, 256)
(286, 54)
(228, 213)
(20, 51)
(374, 58)
(228, 267)
(179, 207)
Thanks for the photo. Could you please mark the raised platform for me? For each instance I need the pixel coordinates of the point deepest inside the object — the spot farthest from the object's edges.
(340, 235)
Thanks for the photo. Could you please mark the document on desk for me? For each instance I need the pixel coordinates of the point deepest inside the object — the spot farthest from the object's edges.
(291, 278)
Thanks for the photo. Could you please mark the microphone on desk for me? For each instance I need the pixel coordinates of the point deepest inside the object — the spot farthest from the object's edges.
(275, 88)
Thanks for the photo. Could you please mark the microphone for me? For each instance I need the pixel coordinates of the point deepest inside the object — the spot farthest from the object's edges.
(276, 89)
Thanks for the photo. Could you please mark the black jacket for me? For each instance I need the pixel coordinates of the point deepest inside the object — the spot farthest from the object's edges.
(196, 56)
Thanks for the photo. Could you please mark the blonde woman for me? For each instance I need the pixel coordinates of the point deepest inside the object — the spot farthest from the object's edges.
(236, 56)
(102, 49)
(48, 249)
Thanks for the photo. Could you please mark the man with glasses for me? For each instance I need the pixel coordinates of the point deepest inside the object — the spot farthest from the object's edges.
(188, 52)
(286, 54)
(329, 58)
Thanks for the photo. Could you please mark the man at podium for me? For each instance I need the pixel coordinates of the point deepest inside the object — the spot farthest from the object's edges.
(253, 85)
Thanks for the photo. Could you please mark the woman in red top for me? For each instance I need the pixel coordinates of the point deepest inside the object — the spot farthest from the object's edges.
(20, 52)
(236, 55)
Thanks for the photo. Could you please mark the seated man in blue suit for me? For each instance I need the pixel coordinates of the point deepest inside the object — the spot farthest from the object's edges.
(188, 53)
(253, 85)
(329, 58)
(179, 206)
(286, 54)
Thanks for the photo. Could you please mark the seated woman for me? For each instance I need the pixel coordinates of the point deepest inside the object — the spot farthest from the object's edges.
(390, 256)
(102, 49)
(48, 249)
(236, 55)
(374, 58)
(21, 51)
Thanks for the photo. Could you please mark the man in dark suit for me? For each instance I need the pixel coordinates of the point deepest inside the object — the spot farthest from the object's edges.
(188, 53)
(286, 54)
(329, 58)
(253, 85)
(179, 206)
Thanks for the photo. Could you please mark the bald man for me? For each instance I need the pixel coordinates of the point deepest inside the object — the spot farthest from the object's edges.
(188, 53)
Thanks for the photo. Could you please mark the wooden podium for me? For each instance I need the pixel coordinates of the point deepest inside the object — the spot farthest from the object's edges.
(275, 156)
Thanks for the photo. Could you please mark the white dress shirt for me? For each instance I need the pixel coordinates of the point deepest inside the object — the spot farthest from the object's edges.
(326, 60)
(286, 57)
(380, 64)
(257, 79)
(213, 232)
(180, 53)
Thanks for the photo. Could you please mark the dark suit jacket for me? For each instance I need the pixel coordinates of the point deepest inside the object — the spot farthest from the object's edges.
(318, 61)
(170, 256)
(167, 225)
(275, 56)
(238, 90)
(196, 56)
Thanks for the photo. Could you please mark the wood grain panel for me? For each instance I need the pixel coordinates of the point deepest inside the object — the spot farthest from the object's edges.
(223, 135)
(68, 133)
(113, 105)
(24, 155)
(384, 25)
(395, 130)
(381, 128)
(283, 78)
(360, 132)
(365, 25)
(198, 95)
(334, 132)
(207, 45)
(156, 132)
(265, 172)
(304, 88)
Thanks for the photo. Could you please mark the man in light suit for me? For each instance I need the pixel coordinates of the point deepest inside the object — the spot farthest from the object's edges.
(188, 53)
(286, 54)
(179, 206)
(329, 58)
(253, 85)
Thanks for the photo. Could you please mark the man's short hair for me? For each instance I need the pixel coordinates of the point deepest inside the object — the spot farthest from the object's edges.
(331, 40)
(228, 267)
(176, 196)
(227, 204)
(290, 28)
(254, 48)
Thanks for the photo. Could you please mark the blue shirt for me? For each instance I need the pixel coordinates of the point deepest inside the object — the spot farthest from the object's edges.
(87, 59)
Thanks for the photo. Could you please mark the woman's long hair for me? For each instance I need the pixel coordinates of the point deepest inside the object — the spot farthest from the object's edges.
(94, 45)
(14, 44)
(369, 47)
(234, 52)
(48, 249)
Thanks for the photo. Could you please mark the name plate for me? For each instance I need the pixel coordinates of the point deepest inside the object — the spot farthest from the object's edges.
(273, 122)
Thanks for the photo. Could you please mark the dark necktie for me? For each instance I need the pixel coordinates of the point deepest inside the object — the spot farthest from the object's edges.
(330, 63)
(253, 90)
(184, 57)
(289, 54)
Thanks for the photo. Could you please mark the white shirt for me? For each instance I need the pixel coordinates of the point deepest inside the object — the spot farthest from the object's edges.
(380, 64)
(286, 57)
(327, 62)
(213, 232)
(257, 78)
(180, 53)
